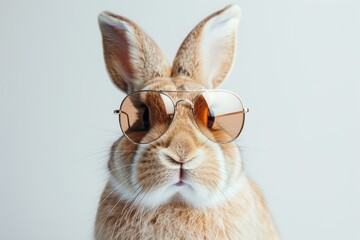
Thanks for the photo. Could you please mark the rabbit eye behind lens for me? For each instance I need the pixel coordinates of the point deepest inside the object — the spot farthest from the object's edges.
(145, 118)
(210, 119)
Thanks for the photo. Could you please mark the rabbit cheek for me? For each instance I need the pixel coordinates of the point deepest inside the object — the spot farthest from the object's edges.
(150, 173)
(234, 165)
(121, 160)
(209, 174)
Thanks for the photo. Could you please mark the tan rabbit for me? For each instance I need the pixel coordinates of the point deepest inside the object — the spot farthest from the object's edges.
(176, 179)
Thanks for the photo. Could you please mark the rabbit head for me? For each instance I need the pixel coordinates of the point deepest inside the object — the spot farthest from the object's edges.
(183, 165)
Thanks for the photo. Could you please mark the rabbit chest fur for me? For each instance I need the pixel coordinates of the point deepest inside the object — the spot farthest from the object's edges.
(243, 217)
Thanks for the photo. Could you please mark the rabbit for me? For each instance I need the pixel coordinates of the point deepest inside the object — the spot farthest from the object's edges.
(219, 200)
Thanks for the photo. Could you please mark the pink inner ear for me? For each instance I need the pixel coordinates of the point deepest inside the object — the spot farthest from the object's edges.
(123, 52)
(117, 54)
(207, 54)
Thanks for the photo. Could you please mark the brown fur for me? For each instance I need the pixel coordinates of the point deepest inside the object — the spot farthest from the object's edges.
(149, 60)
(135, 62)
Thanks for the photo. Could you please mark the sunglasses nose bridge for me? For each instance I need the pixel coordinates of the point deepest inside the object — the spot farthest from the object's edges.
(185, 101)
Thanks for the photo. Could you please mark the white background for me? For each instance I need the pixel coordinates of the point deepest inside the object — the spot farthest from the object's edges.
(297, 69)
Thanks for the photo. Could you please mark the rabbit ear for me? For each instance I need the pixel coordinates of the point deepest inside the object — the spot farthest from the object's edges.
(207, 54)
(132, 57)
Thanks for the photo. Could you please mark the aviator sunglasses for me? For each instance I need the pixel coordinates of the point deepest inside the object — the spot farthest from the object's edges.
(145, 115)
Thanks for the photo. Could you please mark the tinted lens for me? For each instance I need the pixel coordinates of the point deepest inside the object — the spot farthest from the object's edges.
(219, 115)
(145, 116)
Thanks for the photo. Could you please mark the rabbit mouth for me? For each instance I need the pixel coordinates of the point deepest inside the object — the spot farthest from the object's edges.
(182, 176)
(180, 183)
(183, 179)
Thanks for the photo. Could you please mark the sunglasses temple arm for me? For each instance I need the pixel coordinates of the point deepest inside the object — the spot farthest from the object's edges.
(117, 112)
(246, 110)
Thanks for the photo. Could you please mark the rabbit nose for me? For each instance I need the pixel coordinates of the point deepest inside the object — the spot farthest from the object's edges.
(174, 158)
(180, 150)
(182, 147)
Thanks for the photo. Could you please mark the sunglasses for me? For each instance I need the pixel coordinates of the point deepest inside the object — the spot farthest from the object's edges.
(144, 116)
